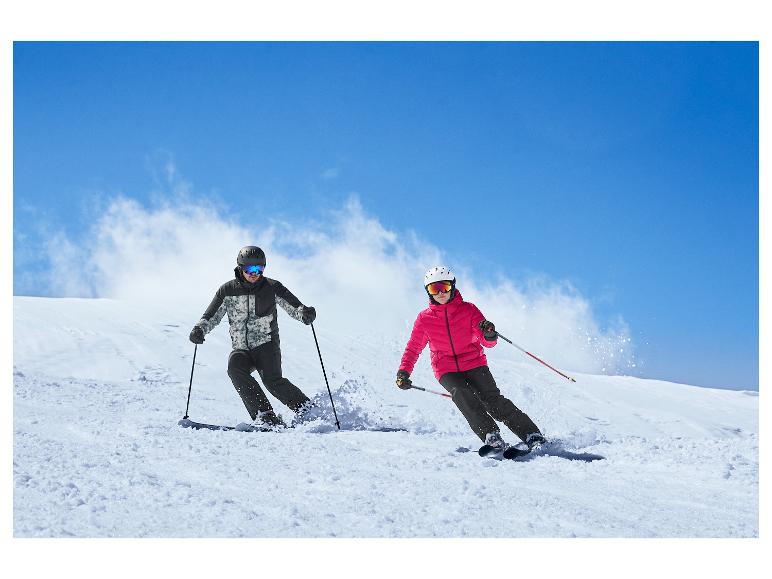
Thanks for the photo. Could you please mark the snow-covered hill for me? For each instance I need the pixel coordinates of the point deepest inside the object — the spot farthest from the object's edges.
(99, 386)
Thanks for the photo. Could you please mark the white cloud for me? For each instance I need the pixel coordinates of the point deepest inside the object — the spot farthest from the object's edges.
(361, 277)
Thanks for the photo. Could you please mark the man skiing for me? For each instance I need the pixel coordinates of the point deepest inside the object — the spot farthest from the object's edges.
(250, 301)
(456, 332)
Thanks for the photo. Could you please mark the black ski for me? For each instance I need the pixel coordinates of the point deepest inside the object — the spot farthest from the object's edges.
(488, 450)
(244, 427)
(188, 423)
(552, 447)
(509, 453)
(516, 451)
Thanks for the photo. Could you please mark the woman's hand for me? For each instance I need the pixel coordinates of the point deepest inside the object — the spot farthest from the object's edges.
(488, 330)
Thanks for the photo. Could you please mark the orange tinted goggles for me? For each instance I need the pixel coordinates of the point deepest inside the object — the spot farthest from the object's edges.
(439, 286)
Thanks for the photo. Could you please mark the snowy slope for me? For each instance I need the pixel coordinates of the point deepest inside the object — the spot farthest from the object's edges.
(99, 386)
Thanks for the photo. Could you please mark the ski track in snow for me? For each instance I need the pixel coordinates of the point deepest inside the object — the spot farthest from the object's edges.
(99, 386)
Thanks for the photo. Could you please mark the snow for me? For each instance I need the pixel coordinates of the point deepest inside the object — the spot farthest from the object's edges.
(99, 386)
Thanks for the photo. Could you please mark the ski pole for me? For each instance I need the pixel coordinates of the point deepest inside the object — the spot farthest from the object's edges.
(536, 358)
(325, 376)
(191, 380)
(432, 391)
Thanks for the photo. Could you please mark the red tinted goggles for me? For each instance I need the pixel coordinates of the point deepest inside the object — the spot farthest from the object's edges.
(439, 286)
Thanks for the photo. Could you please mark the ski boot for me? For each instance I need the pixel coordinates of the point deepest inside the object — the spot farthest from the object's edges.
(535, 440)
(309, 412)
(267, 421)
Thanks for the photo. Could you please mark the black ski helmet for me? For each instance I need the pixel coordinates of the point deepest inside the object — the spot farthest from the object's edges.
(251, 255)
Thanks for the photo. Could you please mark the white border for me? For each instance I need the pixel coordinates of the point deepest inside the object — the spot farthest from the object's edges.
(363, 20)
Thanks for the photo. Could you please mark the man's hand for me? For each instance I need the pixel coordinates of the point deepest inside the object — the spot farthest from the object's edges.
(309, 315)
(403, 380)
(488, 330)
(197, 335)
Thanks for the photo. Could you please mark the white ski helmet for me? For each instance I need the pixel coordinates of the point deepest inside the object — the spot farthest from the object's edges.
(439, 273)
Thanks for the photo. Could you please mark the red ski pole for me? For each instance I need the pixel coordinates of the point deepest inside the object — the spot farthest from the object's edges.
(536, 358)
(432, 391)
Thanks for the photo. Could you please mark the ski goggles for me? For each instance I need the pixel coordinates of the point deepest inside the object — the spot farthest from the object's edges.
(439, 286)
(253, 269)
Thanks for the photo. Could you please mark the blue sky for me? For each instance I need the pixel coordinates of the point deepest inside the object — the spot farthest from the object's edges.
(628, 169)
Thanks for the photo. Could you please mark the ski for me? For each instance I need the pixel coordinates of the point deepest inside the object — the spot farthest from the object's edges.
(553, 447)
(242, 427)
(516, 451)
(246, 427)
(187, 423)
(512, 451)
(488, 450)
(509, 453)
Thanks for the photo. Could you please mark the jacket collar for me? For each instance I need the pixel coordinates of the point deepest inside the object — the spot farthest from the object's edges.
(245, 284)
(451, 305)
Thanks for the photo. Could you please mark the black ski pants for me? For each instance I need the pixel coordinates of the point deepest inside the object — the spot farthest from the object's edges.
(266, 359)
(478, 398)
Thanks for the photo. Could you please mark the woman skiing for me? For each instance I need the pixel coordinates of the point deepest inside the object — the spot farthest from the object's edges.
(456, 331)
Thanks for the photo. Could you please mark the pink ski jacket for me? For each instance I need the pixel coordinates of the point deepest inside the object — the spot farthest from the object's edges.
(453, 334)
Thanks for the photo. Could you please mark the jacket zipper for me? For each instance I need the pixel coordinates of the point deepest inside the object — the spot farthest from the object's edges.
(447, 324)
(246, 325)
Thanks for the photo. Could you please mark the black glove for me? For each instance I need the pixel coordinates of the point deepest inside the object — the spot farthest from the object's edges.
(488, 330)
(403, 380)
(309, 315)
(197, 335)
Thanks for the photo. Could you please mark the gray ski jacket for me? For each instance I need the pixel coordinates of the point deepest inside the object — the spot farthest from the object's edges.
(251, 310)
